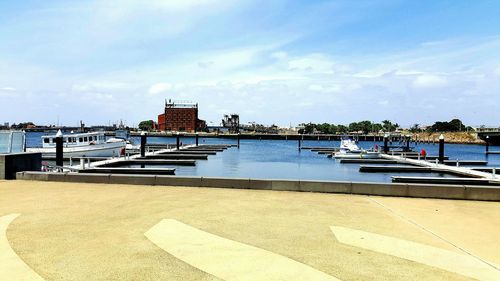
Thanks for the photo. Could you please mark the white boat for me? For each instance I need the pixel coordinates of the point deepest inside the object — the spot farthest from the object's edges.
(123, 135)
(350, 150)
(81, 145)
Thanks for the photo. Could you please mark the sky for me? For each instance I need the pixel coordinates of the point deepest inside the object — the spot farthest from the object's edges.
(271, 61)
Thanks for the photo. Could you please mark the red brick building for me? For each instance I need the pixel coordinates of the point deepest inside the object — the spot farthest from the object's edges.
(180, 116)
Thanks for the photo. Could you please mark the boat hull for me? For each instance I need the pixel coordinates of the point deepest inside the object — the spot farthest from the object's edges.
(98, 150)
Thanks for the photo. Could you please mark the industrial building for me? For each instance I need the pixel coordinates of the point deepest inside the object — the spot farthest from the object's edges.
(231, 122)
(181, 116)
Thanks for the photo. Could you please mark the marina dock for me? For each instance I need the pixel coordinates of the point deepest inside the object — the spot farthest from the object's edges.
(394, 169)
(148, 161)
(439, 180)
(136, 171)
(485, 178)
(186, 155)
(368, 161)
(176, 156)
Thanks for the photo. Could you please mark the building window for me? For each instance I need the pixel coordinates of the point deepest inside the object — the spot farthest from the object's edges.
(46, 140)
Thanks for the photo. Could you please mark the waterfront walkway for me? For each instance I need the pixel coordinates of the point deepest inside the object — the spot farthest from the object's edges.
(75, 231)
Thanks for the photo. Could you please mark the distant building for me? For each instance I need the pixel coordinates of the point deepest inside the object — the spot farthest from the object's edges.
(231, 122)
(181, 116)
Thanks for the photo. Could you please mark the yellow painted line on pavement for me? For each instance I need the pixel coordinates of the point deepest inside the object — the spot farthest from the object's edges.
(444, 259)
(12, 267)
(225, 258)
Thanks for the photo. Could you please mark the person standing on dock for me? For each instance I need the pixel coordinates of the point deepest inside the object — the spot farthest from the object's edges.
(424, 154)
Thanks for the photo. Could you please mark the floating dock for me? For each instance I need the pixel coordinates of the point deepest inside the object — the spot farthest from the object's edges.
(185, 156)
(177, 156)
(434, 180)
(394, 169)
(143, 161)
(466, 162)
(368, 161)
(177, 152)
(136, 171)
(487, 178)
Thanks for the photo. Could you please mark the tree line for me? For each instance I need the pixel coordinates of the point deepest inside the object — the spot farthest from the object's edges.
(365, 127)
(362, 126)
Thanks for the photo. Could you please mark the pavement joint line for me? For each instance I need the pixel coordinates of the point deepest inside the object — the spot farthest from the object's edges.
(451, 261)
(12, 266)
(435, 234)
(225, 258)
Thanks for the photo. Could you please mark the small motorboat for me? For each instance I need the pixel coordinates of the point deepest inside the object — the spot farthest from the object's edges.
(350, 150)
(123, 135)
(81, 145)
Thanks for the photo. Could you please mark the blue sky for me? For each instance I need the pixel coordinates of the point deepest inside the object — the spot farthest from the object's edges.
(272, 61)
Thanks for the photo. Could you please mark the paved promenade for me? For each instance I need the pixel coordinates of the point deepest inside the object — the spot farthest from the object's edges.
(75, 231)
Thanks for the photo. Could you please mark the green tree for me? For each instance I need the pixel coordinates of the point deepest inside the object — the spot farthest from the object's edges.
(146, 125)
(388, 126)
(415, 128)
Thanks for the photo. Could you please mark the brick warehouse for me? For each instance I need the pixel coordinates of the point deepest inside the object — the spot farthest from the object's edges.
(180, 116)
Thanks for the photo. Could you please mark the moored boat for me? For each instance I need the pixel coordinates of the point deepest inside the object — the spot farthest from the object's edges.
(81, 145)
(350, 150)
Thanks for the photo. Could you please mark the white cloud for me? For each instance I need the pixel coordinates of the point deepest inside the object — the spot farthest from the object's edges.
(497, 71)
(279, 55)
(317, 88)
(314, 63)
(159, 88)
(7, 89)
(430, 81)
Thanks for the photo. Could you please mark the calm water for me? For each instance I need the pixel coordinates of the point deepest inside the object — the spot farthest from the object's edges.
(273, 159)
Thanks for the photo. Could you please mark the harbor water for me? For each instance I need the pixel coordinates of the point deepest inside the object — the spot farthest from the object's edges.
(281, 159)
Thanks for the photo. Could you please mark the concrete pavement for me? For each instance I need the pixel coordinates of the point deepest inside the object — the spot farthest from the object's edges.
(76, 231)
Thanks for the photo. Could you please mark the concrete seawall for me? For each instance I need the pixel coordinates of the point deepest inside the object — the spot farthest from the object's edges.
(461, 192)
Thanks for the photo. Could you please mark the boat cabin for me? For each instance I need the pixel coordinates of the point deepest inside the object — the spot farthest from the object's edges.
(72, 140)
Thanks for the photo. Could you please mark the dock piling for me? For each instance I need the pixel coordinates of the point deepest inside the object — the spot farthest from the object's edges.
(197, 136)
(487, 144)
(178, 142)
(59, 149)
(386, 147)
(143, 144)
(441, 149)
(238, 137)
